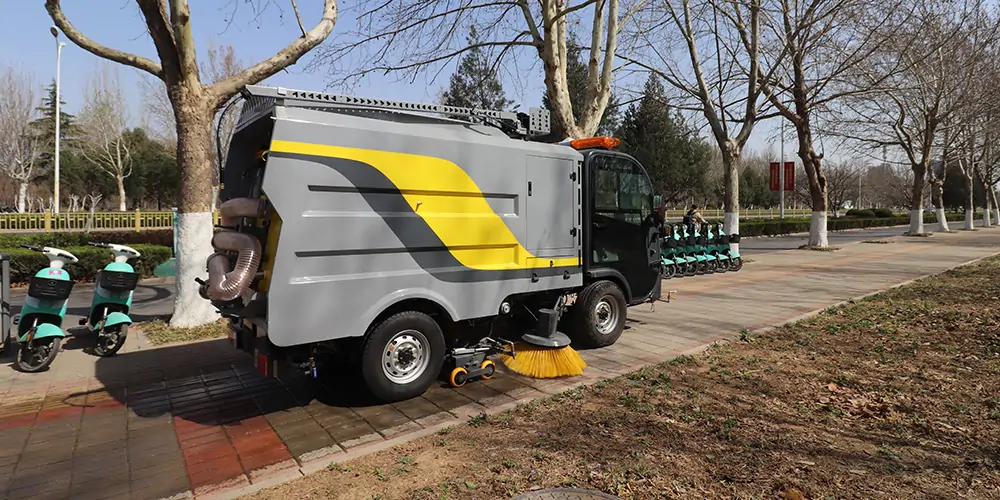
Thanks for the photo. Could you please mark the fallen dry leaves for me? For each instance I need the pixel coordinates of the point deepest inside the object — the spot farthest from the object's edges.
(891, 397)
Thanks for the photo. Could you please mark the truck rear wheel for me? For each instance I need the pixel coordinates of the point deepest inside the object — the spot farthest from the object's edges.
(599, 314)
(402, 356)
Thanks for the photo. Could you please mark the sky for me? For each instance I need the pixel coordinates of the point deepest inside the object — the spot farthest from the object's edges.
(25, 41)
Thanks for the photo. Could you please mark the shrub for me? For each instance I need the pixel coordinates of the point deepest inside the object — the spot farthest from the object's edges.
(883, 213)
(162, 237)
(861, 213)
(25, 263)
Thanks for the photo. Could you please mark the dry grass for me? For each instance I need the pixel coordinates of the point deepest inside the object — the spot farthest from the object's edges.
(159, 331)
(890, 397)
(877, 242)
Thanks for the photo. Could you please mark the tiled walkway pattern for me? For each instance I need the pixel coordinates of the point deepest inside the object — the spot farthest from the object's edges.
(197, 419)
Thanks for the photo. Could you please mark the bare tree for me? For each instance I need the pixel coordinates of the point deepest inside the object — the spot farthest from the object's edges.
(933, 51)
(194, 103)
(20, 149)
(410, 37)
(715, 70)
(812, 52)
(103, 122)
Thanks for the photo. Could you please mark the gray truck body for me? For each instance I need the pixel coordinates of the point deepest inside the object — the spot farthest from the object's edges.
(378, 208)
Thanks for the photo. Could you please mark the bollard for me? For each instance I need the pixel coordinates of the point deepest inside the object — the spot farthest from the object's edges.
(4, 301)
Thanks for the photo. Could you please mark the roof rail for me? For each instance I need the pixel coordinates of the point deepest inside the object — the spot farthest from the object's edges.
(259, 97)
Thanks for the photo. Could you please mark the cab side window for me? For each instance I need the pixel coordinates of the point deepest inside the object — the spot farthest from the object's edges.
(622, 190)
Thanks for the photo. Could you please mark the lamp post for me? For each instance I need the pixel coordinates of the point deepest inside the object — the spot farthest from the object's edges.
(58, 117)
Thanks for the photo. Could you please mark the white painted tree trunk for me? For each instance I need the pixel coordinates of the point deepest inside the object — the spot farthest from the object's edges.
(970, 218)
(942, 220)
(193, 231)
(817, 230)
(986, 214)
(731, 224)
(917, 221)
(22, 195)
(121, 193)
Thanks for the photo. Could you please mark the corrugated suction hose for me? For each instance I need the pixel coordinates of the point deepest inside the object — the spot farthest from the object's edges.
(226, 284)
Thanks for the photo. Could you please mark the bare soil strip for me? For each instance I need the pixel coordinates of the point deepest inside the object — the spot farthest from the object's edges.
(894, 396)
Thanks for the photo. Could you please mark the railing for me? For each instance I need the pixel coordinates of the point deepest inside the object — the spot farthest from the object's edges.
(139, 220)
(752, 213)
(81, 221)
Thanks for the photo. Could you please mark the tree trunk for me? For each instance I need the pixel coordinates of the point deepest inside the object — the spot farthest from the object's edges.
(970, 204)
(996, 206)
(987, 207)
(22, 195)
(120, 181)
(731, 177)
(937, 194)
(194, 215)
(917, 199)
(817, 186)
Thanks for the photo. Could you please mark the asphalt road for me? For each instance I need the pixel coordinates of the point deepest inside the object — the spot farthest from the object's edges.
(155, 297)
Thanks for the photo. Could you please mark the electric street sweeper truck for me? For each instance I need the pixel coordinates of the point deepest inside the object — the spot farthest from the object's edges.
(412, 239)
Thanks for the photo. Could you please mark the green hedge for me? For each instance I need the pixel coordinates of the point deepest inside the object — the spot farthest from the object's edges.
(162, 237)
(25, 263)
(779, 227)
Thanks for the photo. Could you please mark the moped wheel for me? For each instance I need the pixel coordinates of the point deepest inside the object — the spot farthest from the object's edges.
(668, 271)
(692, 269)
(737, 264)
(37, 355)
(110, 340)
(713, 266)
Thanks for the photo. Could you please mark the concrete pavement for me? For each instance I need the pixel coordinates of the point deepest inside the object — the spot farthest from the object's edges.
(196, 419)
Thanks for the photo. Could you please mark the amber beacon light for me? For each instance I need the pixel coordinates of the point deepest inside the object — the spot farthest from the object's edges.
(595, 142)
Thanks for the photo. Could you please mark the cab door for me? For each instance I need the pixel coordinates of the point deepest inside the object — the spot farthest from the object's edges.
(623, 239)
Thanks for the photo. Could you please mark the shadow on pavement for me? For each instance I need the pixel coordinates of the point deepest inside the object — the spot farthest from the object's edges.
(211, 382)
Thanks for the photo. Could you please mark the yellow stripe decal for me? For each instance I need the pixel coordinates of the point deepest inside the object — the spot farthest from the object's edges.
(448, 200)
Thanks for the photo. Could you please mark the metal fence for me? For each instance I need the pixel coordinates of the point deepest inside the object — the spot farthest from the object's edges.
(139, 220)
(81, 221)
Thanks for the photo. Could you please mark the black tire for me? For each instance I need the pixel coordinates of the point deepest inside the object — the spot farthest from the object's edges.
(668, 271)
(737, 264)
(28, 359)
(701, 267)
(713, 266)
(428, 358)
(691, 269)
(593, 328)
(106, 349)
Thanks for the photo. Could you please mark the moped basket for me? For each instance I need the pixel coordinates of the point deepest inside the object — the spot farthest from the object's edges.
(46, 289)
(117, 281)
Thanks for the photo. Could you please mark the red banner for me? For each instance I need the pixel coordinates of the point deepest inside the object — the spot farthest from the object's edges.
(789, 176)
(775, 179)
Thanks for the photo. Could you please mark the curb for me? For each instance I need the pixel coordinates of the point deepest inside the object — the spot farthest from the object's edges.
(318, 460)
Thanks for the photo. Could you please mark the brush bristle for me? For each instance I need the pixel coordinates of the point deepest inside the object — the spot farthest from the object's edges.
(544, 362)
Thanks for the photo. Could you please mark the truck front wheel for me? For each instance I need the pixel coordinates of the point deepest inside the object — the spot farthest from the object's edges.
(599, 314)
(402, 356)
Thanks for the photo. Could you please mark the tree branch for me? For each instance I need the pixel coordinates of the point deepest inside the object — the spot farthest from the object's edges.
(55, 12)
(284, 58)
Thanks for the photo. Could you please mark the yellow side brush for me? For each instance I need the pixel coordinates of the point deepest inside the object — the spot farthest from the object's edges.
(544, 362)
(545, 353)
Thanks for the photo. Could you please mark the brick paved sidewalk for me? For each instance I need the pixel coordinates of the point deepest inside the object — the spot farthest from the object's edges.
(196, 419)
